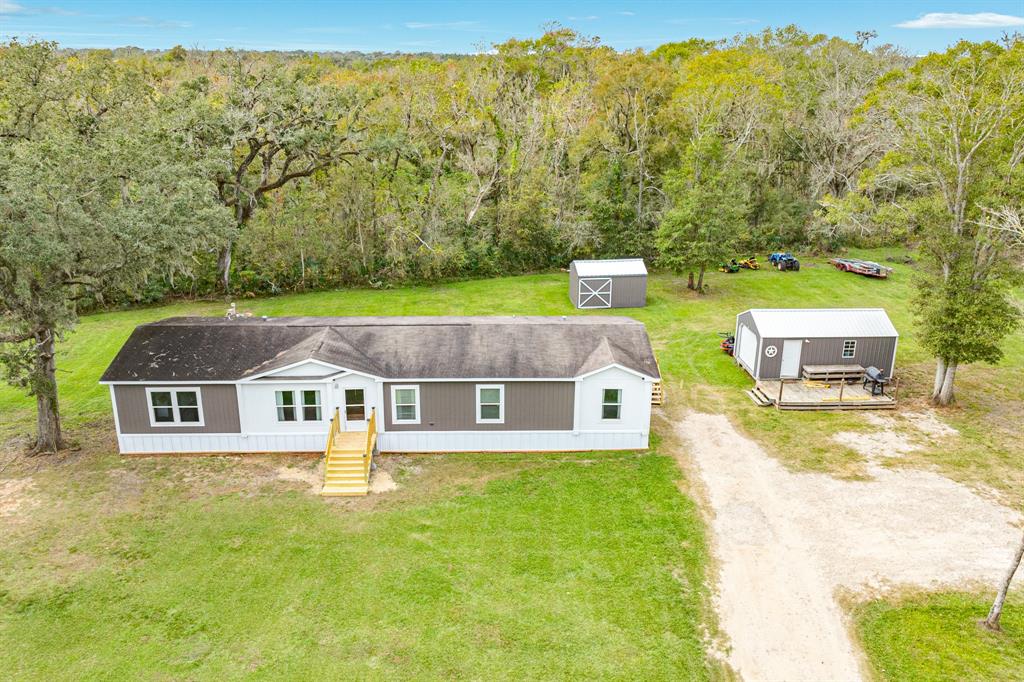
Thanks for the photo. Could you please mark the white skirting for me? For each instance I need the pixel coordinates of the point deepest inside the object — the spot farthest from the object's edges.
(399, 441)
(509, 441)
(222, 442)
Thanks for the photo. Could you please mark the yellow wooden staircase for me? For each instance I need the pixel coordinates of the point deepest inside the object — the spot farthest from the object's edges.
(657, 391)
(348, 457)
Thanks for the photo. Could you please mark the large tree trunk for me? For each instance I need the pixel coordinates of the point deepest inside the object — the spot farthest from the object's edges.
(700, 279)
(992, 620)
(224, 267)
(940, 375)
(689, 281)
(44, 384)
(945, 396)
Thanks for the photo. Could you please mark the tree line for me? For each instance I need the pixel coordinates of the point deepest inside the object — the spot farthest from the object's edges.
(127, 176)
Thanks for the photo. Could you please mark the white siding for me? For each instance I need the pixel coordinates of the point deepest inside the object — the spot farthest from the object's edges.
(636, 402)
(257, 408)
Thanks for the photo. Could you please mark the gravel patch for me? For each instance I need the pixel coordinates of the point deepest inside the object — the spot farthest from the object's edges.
(788, 542)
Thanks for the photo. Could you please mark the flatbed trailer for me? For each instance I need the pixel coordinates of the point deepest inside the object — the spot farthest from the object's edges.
(861, 267)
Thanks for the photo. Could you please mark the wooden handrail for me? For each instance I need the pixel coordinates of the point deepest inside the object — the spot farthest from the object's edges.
(371, 441)
(331, 433)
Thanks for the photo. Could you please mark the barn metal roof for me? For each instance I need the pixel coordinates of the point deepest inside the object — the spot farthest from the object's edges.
(611, 267)
(822, 322)
(220, 349)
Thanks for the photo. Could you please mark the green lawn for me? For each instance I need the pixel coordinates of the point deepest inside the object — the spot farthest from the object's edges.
(537, 566)
(937, 637)
(517, 566)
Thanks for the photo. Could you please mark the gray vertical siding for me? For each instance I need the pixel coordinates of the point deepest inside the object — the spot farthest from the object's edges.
(871, 352)
(628, 291)
(747, 319)
(451, 406)
(574, 285)
(220, 410)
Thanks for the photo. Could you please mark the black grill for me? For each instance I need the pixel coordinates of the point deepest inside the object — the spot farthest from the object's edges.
(874, 379)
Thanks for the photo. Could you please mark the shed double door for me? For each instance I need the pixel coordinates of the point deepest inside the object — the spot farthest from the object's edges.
(595, 292)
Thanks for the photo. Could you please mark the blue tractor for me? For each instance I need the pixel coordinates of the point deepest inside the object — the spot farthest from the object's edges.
(783, 260)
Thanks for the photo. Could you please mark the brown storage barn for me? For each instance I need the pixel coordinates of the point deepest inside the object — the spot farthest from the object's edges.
(620, 283)
(779, 343)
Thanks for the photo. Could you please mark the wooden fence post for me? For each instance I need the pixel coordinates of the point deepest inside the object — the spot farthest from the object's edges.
(896, 390)
(782, 382)
(842, 385)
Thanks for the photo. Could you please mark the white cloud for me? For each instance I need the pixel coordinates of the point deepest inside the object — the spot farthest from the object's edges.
(152, 22)
(589, 17)
(11, 7)
(626, 13)
(443, 25)
(957, 20)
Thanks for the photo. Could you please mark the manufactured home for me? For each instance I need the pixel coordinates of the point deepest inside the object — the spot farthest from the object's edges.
(619, 283)
(792, 343)
(419, 384)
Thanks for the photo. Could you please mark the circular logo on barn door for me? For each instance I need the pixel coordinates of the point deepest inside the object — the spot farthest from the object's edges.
(771, 351)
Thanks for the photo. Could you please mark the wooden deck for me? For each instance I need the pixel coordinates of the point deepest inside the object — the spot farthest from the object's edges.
(820, 395)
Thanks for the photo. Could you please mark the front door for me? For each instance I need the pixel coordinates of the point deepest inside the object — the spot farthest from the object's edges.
(791, 349)
(354, 408)
(355, 398)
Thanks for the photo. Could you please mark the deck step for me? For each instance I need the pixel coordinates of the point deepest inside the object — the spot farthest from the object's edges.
(758, 398)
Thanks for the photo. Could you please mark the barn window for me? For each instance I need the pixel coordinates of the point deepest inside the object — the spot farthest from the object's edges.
(405, 404)
(849, 348)
(611, 403)
(172, 407)
(285, 406)
(490, 404)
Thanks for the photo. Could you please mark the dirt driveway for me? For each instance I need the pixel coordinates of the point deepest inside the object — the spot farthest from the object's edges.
(787, 542)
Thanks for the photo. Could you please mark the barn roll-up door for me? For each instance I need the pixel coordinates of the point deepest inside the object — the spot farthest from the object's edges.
(595, 292)
(746, 347)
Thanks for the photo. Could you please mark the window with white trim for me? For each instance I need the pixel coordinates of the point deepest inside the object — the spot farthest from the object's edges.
(290, 410)
(405, 404)
(849, 348)
(490, 404)
(175, 406)
(285, 401)
(611, 403)
(310, 406)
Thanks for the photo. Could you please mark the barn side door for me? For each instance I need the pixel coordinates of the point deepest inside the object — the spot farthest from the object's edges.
(595, 292)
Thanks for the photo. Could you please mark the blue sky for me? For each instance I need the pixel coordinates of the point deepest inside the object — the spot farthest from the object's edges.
(444, 26)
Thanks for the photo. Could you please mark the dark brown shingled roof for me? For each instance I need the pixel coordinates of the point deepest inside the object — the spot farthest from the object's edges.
(221, 349)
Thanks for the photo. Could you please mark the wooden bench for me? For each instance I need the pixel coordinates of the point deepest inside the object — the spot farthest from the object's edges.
(833, 372)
